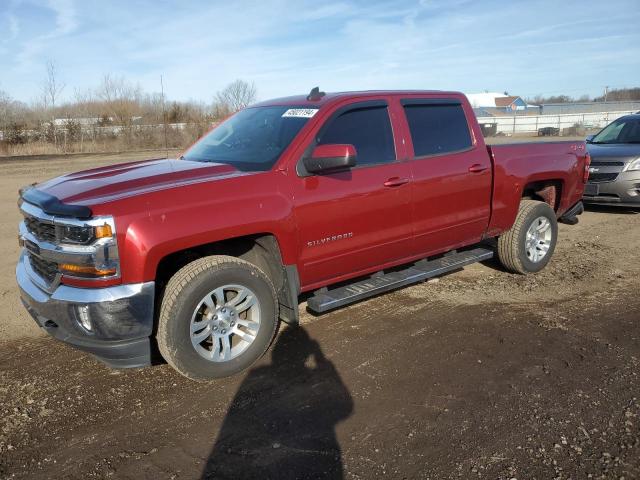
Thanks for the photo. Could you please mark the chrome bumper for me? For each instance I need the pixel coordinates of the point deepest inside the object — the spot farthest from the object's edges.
(623, 191)
(113, 323)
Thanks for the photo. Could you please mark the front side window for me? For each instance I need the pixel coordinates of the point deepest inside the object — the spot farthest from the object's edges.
(253, 139)
(437, 128)
(368, 129)
(623, 130)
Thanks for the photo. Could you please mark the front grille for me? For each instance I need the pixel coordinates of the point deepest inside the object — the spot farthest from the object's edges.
(43, 231)
(607, 164)
(602, 177)
(44, 268)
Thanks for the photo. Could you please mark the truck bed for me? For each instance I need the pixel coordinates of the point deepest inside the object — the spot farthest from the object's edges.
(519, 165)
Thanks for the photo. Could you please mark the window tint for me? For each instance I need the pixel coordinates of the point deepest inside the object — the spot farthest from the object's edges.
(367, 129)
(251, 140)
(437, 128)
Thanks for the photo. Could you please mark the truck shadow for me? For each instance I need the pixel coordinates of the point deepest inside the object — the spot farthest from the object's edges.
(281, 422)
(613, 209)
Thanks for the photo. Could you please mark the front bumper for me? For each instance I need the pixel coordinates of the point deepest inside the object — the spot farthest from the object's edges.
(623, 191)
(119, 320)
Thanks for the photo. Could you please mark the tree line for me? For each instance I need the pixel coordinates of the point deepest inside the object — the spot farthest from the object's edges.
(115, 109)
(616, 95)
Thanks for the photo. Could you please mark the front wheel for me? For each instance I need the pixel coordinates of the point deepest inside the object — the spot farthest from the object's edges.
(528, 246)
(218, 316)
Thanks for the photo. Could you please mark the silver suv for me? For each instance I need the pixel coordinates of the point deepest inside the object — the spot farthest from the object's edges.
(614, 175)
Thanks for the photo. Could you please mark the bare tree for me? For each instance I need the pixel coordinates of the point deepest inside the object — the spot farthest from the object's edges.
(5, 112)
(84, 103)
(52, 87)
(5, 105)
(121, 98)
(13, 119)
(84, 111)
(235, 96)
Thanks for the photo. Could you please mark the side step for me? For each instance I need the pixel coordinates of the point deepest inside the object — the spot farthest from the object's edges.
(328, 300)
(570, 217)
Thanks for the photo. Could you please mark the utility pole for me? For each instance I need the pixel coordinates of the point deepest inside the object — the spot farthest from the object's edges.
(606, 92)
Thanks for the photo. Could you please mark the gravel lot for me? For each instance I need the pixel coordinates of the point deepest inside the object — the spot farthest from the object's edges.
(479, 374)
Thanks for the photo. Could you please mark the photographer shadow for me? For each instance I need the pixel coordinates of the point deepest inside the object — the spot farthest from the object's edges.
(281, 422)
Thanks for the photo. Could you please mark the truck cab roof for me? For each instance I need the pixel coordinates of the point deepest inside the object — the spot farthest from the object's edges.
(331, 97)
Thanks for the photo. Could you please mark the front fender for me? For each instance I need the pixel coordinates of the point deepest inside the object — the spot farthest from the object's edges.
(167, 222)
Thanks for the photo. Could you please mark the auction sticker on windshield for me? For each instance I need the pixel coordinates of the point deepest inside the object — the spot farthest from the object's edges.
(300, 112)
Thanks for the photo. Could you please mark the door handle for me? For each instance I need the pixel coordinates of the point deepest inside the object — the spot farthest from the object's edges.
(477, 168)
(396, 182)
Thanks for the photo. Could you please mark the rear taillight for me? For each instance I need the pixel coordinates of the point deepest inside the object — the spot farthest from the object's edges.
(587, 164)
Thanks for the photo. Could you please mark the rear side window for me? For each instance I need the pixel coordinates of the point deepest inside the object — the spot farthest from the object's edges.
(437, 128)
(367, 129)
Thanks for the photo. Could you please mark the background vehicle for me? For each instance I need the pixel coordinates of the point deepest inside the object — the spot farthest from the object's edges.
(548, 132)
(614, 175)
(291, 195)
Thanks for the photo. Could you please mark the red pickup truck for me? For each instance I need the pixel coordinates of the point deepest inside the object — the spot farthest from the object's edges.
(342, 195)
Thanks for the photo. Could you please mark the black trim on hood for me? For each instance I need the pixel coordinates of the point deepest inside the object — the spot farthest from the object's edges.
(52, 205)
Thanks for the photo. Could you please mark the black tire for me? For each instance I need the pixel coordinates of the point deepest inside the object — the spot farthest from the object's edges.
(182, 296)
(512, 251)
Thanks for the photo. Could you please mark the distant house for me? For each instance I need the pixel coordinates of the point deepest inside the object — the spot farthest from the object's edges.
(511, 103)
(492, 104)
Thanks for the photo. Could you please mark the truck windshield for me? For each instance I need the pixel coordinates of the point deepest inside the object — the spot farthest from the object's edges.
(253, 139)
(623, 130)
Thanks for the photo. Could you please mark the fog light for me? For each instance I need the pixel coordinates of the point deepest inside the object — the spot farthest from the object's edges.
(633, 192)
(83, 317)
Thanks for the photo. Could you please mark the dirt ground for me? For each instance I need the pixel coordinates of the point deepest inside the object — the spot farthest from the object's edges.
(479, 374)
(15, 173)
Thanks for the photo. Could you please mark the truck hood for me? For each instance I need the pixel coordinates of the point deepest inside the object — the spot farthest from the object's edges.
(99, 185)
(614, 152)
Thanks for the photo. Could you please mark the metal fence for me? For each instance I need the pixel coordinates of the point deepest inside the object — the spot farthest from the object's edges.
(94, 131)
(565, 124)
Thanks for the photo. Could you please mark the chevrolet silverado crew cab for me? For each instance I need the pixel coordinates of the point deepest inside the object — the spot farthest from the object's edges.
(342, 196)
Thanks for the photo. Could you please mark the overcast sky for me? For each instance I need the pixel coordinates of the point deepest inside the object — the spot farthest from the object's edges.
(286, 47)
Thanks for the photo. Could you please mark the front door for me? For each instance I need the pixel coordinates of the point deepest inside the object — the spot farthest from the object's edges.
(355, 220)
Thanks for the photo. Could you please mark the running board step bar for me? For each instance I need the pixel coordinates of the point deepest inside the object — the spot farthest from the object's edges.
(325, 300)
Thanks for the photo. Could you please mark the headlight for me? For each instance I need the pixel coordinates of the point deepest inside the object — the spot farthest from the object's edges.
(101, 258)
(82, 235)
(88, 250)
(633, 166)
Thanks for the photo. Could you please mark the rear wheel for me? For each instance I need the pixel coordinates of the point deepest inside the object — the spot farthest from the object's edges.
(218, 316)
(528, 246)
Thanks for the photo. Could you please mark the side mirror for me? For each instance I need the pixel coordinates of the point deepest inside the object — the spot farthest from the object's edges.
(326, 158)
(589, 138)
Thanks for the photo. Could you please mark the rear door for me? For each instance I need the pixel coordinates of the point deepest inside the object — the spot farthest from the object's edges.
(355, 220)
(451, 191)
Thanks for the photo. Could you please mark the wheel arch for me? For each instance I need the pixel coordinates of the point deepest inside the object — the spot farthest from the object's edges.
(260, 249)
(548, 191)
